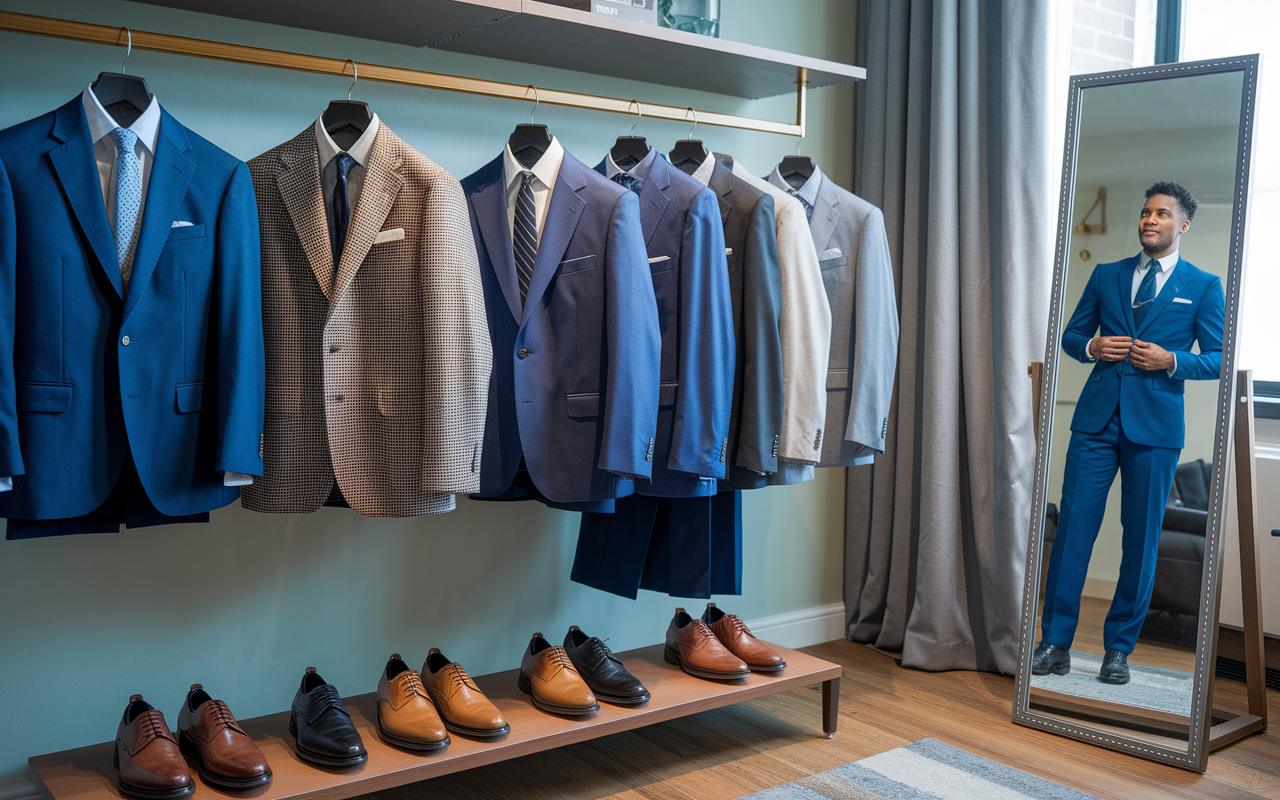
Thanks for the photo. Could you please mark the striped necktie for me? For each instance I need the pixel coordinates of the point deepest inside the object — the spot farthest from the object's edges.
(128, 200)
(1146, 296)
(524, 239)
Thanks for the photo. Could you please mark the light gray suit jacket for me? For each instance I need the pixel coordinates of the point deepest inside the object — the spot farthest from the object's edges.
(849, 236)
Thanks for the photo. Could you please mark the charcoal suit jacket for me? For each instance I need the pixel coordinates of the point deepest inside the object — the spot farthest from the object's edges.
(171, 370)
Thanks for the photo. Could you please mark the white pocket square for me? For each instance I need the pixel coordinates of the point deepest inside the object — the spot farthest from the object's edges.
(728, 251)
(389, 235)
(1181, 300)
(181, 224)
(659, 258)
(834, 252)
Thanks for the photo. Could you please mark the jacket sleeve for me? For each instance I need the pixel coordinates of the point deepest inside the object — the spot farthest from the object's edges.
(707, 350)
(634, 346)
(875, 336)
(10, 451)
(760, 426)
(806, 338)
(1083, 324)
(1210, 321)
(242, 371)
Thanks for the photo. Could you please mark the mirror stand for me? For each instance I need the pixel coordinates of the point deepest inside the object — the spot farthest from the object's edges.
(1227, 728)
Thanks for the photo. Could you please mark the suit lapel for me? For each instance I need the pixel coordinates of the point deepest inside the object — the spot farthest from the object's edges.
(170, 175)
(562, 220)
(721, 184)
(826, 213)
(653, 197)
(383, 181)
(303, 196)
(77, 171)
(1169, 291)
(490, 203)
(1124, 278)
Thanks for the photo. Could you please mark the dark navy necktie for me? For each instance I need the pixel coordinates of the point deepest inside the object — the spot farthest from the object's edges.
(1146, 294)
(629, 181)
(341, 212)
(524, 239)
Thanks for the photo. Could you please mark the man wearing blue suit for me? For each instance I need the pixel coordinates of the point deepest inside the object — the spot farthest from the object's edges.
(131, 357)
(1138, 320)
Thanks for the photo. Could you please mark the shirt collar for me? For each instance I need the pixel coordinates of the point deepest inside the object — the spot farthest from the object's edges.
(359, 151)
(703, 173)
(147, 126)
(808, 192)
(640, 170)
(1165, 264)
(546, 170)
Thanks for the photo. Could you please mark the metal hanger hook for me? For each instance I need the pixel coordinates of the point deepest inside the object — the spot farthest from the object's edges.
(536, 101)
(355, 76)
(128, 50)
(639, 115)
(798, 141)
(695, 121)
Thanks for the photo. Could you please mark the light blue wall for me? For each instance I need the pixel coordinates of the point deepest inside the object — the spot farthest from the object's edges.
(244, 603)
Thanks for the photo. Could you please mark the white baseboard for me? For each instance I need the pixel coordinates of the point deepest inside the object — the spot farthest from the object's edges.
(800, 628)
(22, 790)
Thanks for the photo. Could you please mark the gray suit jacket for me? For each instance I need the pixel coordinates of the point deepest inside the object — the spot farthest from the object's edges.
(849, 236)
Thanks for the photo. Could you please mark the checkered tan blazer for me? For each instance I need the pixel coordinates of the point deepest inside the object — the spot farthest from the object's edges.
(378, 370)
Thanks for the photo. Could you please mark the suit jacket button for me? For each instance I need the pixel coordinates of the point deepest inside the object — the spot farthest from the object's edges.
(523, 353)
(125, 341)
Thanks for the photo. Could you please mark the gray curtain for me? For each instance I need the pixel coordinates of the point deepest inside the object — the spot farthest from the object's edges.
(952, 145)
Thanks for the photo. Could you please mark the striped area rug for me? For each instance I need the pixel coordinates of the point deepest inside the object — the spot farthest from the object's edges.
(926, 770)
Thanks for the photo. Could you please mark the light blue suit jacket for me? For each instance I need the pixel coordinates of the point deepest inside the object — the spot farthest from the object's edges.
(191, 377)
(1190, 308)
(574, 390)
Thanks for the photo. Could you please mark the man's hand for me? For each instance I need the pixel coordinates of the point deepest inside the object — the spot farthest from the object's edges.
(1150, 356)
(1110, 348)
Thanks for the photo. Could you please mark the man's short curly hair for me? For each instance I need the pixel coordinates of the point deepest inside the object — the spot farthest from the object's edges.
(1186, 203)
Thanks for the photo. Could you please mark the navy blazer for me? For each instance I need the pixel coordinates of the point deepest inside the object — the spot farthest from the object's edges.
(684, 237)
(1190, 308)
(184, 345)
(574, 390)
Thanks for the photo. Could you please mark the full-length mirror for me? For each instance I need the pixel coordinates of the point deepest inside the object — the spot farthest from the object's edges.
(1134, 439)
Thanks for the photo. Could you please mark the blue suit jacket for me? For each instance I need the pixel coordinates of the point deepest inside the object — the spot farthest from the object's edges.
(192, 377)
(684, 237)
(574, 389)
(1190, 308)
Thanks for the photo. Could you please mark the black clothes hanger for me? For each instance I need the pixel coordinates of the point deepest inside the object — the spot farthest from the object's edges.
(630, 150)
(123, 96)
(347, 120)
(689, 153)
(528, 141)
(796, 169)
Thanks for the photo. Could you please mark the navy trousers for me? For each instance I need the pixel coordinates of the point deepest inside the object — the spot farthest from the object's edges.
(1146, 476)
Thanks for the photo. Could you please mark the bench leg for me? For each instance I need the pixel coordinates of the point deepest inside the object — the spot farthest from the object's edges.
(830, 706)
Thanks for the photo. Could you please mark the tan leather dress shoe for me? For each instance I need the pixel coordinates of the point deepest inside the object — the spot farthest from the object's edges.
(461, 704)
(216, 745)
(406, 717)
(547, 675)
(734, 634)
(150, 762)
(695, 649)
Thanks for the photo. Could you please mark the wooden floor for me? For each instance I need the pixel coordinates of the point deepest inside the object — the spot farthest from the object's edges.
(727, 753)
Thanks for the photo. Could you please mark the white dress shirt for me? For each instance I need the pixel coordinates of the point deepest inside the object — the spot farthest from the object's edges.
(329, 150)
(544, 182)
(640, 170)
(1165, 266)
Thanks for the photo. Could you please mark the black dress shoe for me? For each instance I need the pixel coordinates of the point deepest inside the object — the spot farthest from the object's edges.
(1050, 659)
(322, 726)
(1115, 667)
(600, 668)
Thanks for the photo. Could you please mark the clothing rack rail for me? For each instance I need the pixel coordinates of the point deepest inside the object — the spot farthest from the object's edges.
(240, 54)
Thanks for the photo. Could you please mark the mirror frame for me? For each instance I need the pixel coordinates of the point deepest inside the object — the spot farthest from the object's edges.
(1197, 754)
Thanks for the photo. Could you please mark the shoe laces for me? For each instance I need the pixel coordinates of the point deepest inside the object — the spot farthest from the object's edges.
(737, 624)
(414, 681)
(703, 630)
(152, 725)
(324, 698)
(600, 647)
(562, 658)
(458, 676)
(221, 713)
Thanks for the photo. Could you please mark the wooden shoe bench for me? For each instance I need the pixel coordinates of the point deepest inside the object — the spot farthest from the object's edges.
(86, 773)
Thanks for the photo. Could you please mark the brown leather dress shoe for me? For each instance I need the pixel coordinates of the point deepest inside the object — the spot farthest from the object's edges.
(406, 717)
(547, 675)
(150, 762)
(695, 649)
(216, 745)
(461, 704)
(734, 634)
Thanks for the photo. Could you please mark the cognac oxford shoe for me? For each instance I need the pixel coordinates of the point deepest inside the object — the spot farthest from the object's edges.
(322, 725)
(215, 744)
(1050, 659)
(148, 757)
(406, 716)
(695, 649)
(1115, 667)
(548, 676)
(604, 674)
(734, 634)
(462, 706)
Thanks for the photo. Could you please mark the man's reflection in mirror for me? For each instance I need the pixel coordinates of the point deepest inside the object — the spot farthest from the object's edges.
(1136, 322)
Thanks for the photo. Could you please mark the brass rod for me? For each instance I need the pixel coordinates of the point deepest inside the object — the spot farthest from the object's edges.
(802, 100)
(240, 54)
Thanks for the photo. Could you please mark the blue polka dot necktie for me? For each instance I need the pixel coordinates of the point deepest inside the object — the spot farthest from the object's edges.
(1146, 295)
(341, 209)
(629, 181)
(127, 201)
(524, 240)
